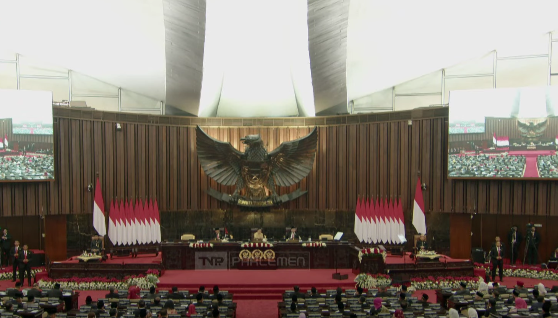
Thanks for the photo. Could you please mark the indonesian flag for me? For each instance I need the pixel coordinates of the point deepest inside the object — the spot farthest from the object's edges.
(121, 224)
(139, 222)
(366, 220)
(6, 143)
(157, 220)
(383, 222)
(394, 223)
(98, 210)
(401, 217)
(1, 145)
(129, 228)
(134, 223)
(358, 221)
(419, 219)
(376, 220)
(112, 224)
(149, 223)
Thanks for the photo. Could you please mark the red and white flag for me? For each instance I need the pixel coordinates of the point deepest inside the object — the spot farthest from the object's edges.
(366, 220)
(358, 222)
(419, 218)
(6, 142)
(401, 218)
(112, 224)
(121, 224)
(149, 223)
(382, 230)
(157, 220)
(134, 223)
(99, 222)
(129, 224)
(394, 222)
(139, 222)
(376, 224)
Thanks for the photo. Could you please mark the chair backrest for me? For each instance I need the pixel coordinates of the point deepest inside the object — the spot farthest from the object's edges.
(336, 315)
(311, 301)
(201, 309)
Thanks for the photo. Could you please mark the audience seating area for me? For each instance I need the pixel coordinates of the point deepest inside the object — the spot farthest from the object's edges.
(325, 303)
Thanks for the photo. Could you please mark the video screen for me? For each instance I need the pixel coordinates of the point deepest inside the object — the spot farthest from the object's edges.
(503, 133)
(26, 136)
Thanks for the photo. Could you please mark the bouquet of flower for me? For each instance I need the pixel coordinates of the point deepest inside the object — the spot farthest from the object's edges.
(374, 252)
(431, 282)
(423, 252)
(201, 245)
(8, 273)
(102, 283)
(314, 244)
(257, 245)
(524, 271)
(372, 280)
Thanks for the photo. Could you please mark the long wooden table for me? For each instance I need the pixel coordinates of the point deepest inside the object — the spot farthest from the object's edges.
(287, 255)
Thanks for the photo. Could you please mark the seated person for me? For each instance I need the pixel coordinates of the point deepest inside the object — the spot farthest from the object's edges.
(405, 305)
(462, 289)
(490, 308)
(424, 301)
(298, 293)
(546, 309)
(378, 307)
(402, 297)
(112, 293)
(520, 303)
(217, 236)
(258, 236)
(314, 293)
(520, 287)
(219, 300)
(359, 292)
(199, 300)
(175, 294)
(362, 302)
(554, 255)
(421, 243)
(96, 244)
(293, 235)
(479, 296)
(535, 306)
(169, 306)
(404, 290)
(382, 292)
(152, 294)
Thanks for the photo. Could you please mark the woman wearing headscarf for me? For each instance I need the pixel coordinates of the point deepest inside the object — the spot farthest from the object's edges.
(483, 287)
(378, 307)
(453, 313)
(542, 290)
(472, 313)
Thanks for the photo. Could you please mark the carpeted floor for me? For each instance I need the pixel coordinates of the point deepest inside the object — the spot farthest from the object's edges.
(141, 259)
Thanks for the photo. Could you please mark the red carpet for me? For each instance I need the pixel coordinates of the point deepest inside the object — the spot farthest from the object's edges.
(256, 284)
(531, 170)
(141, 259)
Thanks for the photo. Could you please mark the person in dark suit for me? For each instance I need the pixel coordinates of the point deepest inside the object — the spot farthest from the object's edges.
(514, 239)
(298, 293)
(96, 244)
(314, 293)
(35, 291)
(382, 292)
(422, 244)
(538, 304)
(25, 267)
(14, 255)
(175, 294)
(490, 308)
(424, 301)
(55, 292)
(533, 239)
(18, 300)
(141, 306)
(6, 244)
(554, 255)
(497, 257)
(359, 292)
(100, 308)
(111, 293)
(463, 289)
(152, 294)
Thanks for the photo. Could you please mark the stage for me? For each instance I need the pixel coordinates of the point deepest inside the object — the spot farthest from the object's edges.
(117, 267)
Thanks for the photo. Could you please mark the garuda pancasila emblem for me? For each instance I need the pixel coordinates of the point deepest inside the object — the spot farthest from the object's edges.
(255, 172)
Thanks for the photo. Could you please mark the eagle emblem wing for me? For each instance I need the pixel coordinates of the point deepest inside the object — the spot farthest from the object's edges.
(220, 160)
(293, 160)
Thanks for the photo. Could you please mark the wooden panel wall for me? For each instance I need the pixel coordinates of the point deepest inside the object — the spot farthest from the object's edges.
(460, 242)
(378, 158)
(55, 237)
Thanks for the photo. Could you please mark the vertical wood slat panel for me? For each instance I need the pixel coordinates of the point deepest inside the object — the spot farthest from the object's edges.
(381, 158)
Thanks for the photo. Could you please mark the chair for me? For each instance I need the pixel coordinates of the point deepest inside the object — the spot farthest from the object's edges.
(188, 237)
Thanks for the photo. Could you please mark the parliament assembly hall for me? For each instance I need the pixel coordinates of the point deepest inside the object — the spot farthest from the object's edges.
(278, 159)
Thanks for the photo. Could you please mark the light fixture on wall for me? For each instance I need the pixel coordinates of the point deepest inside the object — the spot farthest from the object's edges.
(424, 186)
(118, 127)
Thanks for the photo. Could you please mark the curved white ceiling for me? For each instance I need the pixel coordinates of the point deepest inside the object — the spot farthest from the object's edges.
(391, 42)
(121, 42)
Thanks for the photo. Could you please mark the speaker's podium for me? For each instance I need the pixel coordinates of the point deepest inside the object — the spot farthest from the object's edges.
(338, 275)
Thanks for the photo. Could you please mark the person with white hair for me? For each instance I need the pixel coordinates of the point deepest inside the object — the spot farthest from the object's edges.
(483, 287)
